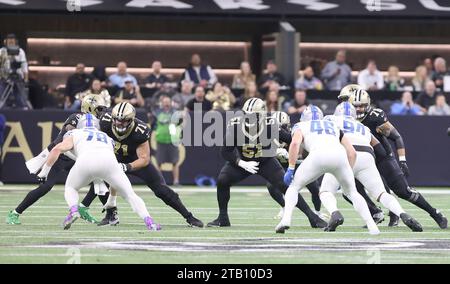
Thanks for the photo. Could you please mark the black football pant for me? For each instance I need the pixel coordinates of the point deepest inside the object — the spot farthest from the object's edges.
(270, 169)
(155, 181)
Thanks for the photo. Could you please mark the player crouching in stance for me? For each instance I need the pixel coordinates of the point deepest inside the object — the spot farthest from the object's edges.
(330, 151)
(93, 149)
(365, 170)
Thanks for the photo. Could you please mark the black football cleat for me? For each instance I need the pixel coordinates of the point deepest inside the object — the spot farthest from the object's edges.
(220, 222)
(440, 219)
(336, 220)
(411, 223)
(194, 222)
(316, 222)
(378, 217)
(111, 217)
(393, 220)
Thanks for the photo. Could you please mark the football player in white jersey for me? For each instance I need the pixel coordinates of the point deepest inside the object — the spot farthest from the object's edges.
(329, 152)
(364, 170)
(95, 160)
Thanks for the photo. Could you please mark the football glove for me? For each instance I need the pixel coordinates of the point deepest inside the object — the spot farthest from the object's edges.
(42, 176)
(125, 167)
(249, 166)
(289, 176)
(282, 154)
(404, 167)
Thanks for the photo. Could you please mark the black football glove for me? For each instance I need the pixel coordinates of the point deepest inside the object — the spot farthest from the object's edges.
(404, 168)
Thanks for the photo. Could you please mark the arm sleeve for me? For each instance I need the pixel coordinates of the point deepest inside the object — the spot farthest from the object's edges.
(397, 138)
(285, 136)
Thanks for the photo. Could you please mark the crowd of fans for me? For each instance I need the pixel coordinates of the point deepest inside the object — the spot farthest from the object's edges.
(199, 84)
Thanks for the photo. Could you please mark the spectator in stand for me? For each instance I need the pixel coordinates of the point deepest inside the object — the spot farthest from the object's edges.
(420, 79)
(298, 104)
(199, 102)
(393, 81)
(76, 83)
(427, 97)
(99, 72)
(337, 73)
(273, 101)
(156, 80)
(198, 73)
(406, 106)
(179, 100)
(2, 133)
(221, 97)
(428, 63)
(440, 71)
(244, 77)
(168, 136)
(370, 78)
(251, 91)
(118, 79)
(270, 76)
(130, 93)
(97, 89)
(440, 107)
(308, 81)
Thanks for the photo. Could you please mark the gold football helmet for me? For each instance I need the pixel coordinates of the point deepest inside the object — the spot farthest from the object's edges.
(254, 108)
(347, 91)
(93, 104)
(360, 99)
(123, 115)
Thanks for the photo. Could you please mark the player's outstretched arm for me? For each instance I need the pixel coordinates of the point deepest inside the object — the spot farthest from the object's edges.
(62, 147)
(351, 153)
(143, 154)
(294, 148)
(388, 130)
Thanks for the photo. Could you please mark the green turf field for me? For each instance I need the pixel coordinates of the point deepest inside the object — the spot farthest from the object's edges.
(251, 239)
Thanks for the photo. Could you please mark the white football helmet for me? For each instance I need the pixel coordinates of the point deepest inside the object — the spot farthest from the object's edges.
(345, 109)
(311, 113)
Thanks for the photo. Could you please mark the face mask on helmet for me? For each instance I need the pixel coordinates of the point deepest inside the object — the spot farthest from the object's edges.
(311, 113)
(360, 99)
(121, 126)
(255, 111)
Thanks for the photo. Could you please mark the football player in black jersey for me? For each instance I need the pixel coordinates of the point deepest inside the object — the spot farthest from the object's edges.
(247, 138)
(284, 121)
(93, 104)
(394, 173)
(132, 150)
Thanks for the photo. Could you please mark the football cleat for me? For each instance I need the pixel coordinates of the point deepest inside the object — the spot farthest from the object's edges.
(85, 215)
(440, 219)
(221, 221)
(151, 226)
(71, 218)
(194, 222)
(111, 217)
(282, 227)
(411, 223)
(13, 218)
(378, 217)
(336, 220)
(393, 220)
(316, 222)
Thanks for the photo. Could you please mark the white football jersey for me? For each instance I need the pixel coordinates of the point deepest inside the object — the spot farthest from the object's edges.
(90, 140)
(356, 132)
(318, 134)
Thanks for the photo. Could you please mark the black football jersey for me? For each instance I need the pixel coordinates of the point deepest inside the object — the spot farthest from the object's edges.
(71, 120)
(255, 143)
(125, 147)
(375, 118)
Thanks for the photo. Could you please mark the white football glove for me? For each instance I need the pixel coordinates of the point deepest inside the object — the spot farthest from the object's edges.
(282, 154)
(249, 166)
